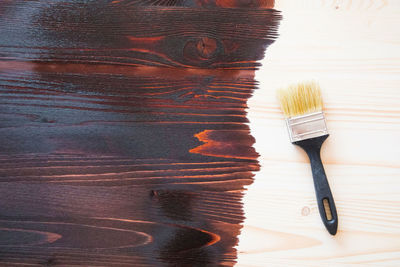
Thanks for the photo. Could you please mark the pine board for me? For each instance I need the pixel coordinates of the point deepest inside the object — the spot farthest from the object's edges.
(352, 49)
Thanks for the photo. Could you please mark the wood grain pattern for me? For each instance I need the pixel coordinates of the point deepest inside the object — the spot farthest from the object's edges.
(119, 148)
(352, 49)
(201, 3)
(109, 34)
(123, 132)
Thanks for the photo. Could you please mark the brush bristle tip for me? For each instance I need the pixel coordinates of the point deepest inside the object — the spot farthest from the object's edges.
(299, 99)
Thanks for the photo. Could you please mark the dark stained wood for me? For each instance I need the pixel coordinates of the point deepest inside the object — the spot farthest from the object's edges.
(76, 32)
(200, 3)
(123, 132)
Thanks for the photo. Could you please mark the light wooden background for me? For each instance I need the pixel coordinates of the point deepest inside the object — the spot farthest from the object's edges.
(352, 49)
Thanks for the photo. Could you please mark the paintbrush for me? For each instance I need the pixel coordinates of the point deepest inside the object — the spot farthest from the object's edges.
(302, 105)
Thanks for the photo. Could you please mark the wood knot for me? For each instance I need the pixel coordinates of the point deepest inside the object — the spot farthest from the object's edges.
(202, 51)
(206, 47)
(305, 211)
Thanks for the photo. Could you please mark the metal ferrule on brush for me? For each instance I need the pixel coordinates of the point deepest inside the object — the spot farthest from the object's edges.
(306, 126)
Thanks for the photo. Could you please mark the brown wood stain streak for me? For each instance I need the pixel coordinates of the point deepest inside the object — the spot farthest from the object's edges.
(123, 130)
(201, 3)
(109, 34)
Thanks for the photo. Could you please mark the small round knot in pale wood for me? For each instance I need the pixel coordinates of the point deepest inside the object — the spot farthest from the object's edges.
(305, 211)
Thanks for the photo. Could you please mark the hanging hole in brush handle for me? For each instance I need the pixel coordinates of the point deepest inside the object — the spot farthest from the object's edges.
(322, 190)
(327, 209)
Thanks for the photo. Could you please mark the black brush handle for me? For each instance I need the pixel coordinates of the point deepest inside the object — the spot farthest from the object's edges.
(322, 190)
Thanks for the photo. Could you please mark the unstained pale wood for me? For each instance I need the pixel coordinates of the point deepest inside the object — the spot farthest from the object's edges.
(352, 49)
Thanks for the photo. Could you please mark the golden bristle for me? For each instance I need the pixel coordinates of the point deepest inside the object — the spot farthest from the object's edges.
(299, 99)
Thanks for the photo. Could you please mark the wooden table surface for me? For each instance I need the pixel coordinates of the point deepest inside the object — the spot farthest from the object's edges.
(352, 49)
(134, 133)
